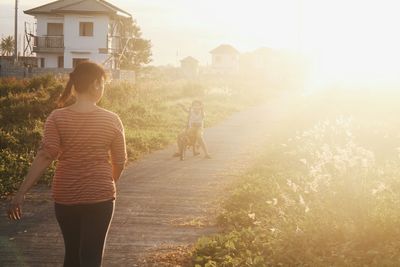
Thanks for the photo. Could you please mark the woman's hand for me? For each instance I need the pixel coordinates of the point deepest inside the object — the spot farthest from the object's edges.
(183, 107)
(117, 171)
(14, 210)
(39, 165)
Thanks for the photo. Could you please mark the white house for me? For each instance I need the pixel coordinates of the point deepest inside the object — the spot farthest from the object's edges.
(225, 59)
(70, 31)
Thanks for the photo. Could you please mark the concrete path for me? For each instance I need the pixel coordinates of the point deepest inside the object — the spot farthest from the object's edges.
(160, 199)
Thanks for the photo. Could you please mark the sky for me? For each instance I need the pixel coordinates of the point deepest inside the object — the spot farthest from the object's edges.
(179, 28)
(346, 39)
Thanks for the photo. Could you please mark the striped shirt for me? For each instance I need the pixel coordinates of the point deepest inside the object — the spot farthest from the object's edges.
(85, 144)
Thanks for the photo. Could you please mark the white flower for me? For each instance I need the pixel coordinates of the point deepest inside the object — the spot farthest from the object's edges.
(301, 200)
(381, 187)
(298, 230)
(274, 201)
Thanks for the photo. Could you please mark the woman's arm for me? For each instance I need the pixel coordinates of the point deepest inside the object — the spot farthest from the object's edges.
(118, 151)
(184, 108)
(117, 171)
(39, 165)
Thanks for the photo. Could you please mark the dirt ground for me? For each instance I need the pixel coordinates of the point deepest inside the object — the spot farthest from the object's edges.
(163, 206)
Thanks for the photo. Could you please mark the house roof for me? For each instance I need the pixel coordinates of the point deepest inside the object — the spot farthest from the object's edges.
(224, 49)
(190, 60)
(79, 6)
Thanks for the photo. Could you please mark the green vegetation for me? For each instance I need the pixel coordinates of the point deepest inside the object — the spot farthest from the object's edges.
(24, 105)
(325, 193)
(7, 46)
(148, 110)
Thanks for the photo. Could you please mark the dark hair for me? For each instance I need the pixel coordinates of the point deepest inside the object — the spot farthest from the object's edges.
(81, 78)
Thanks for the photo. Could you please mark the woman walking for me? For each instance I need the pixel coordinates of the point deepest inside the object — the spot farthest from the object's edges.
(89, 144)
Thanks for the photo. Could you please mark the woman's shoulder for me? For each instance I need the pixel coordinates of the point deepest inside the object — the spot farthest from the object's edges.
(98, 110)
(109, 113)
(56, 113)
(112, 117)
(60, 113)
(101, 114)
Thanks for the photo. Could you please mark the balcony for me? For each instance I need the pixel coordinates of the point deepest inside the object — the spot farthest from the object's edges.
(48, 44)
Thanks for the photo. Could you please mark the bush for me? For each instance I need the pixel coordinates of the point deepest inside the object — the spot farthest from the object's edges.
(316, 198)
(24, 105)
(193, 90)
(148, 110)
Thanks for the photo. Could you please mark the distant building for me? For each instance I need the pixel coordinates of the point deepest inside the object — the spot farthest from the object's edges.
(190, 67)
(225, 59)
(71, 31)
(257, 60)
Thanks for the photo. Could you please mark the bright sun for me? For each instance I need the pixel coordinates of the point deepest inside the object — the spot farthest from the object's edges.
(353, 41)
(350, 41)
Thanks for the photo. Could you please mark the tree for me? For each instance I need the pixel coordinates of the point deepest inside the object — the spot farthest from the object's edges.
(136, 50)
(7, 46)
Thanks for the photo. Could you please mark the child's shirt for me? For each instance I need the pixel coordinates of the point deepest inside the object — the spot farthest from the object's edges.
(196, 119)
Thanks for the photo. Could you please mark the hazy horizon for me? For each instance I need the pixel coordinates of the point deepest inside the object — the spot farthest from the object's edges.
(347, 40)
(172, 37)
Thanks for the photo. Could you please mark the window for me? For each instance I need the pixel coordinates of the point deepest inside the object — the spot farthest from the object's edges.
(76, 61)
(86, 29)
(60, 62)
(42, 62)
(55, 29)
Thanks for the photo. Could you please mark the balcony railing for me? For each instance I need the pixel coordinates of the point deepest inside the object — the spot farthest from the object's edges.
(48, 44)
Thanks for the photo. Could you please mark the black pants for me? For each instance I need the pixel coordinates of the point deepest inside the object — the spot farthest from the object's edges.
(84, 228)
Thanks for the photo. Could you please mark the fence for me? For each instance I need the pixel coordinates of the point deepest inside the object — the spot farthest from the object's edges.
(27, 72)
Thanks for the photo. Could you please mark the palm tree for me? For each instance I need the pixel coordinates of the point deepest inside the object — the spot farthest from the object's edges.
(7, 46)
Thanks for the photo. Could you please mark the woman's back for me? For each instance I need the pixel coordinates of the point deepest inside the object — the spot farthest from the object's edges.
(83, 143)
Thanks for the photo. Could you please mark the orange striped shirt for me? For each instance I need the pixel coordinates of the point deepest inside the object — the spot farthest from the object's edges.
(85, 144)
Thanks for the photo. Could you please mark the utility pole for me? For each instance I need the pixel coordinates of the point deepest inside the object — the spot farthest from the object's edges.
(16, 33)
(300, 27)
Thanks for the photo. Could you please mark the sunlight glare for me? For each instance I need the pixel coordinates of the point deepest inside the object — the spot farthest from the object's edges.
(353, 41)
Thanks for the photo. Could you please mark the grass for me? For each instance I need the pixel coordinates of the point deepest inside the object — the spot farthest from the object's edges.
(149, 111)
(325, 192)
